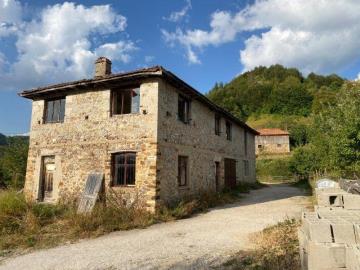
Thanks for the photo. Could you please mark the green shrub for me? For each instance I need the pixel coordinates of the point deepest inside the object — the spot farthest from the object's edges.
(12, 210)
(274, 169)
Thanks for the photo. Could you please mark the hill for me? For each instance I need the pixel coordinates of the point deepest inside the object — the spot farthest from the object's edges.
(276, 90)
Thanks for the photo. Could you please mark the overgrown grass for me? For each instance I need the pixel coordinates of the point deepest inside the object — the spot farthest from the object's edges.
(276, 248)
(25, 226)
(274, 170)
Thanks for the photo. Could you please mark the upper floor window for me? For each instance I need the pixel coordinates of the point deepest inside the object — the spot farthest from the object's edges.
(228, 131)
(54, 110)
(183, 109)
(125, 101)
(217, 125)
(123, 168)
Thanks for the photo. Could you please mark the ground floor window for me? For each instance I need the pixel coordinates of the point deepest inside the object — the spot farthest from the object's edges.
(123, 168)
(182, 171)
(246, 168)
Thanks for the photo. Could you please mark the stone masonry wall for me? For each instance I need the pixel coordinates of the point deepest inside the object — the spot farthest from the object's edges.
(86, 139)
(198, 141)
(272, 144)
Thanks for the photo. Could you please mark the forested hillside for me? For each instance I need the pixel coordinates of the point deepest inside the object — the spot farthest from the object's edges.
(322, 114)
(276, 90)
(13, 155)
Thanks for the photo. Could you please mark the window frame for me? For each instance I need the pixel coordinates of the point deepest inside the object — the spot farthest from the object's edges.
(60, 112)
(245, 142)
(114, 97)
(228, 130)
(114, 182)
(217, 125)
(246, 167)
(186, 182)
(185, 115)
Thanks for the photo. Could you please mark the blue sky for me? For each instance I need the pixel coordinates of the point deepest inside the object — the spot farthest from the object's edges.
(202, 41)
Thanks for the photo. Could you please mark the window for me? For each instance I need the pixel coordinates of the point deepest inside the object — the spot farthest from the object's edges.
(182, 171)
(245, 143)
(246, 168)
(54, 110)
(217, 125)
(125, 101)
(123, 169)
(217, 175)
(228, 131)
(183, 109)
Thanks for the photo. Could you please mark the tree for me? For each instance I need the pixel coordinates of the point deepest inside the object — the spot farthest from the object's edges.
(13, 160)
(339, 125)
(3, 140)
(290, 97)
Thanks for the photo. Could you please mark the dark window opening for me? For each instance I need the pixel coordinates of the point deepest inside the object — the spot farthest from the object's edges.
(217, 125)
(246, 167)
(125, 101)
(54, 110)
(182, 171)
(123, 169)
(259, 146)
(279, 145)
(245, 142)
(217, 175)
(228, 131)
(183, 109)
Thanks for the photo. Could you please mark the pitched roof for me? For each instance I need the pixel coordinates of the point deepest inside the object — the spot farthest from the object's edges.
(272, 132)
(114, 80)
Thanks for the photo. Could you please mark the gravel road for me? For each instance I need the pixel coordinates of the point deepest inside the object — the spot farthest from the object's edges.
(193, 243)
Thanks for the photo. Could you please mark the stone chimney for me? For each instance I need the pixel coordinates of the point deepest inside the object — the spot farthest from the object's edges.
(102, 67)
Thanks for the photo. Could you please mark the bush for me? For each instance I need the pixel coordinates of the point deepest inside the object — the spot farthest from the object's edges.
(274, 170)
(12, 210)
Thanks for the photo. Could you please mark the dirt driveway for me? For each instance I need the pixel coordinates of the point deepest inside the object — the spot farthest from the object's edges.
(193, 243)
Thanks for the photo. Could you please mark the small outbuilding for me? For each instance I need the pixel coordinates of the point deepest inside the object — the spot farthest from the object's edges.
(272, 141)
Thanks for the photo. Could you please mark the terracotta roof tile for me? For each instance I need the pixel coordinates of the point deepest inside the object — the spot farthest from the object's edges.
(272, 132)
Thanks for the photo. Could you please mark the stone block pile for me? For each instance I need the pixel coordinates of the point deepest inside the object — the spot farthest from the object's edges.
(330, 236)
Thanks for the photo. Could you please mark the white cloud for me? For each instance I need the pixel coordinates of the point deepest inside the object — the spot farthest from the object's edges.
(313, 35)
(58, 45)
(177, 16)
(10, 17)
(149, 58)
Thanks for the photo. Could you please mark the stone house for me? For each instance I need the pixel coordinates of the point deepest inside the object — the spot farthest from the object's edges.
(151, 134)
(272, 141)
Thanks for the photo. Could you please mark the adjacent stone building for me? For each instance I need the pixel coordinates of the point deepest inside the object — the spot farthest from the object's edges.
(272, 141)
(152, 135)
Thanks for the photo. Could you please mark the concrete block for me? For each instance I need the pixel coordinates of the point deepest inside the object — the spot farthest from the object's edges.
(351, 201)
(317, 230)
(326, 256)
(303, 243)
(353, 257)
(331, 197)
(343, 232)
(357, 232)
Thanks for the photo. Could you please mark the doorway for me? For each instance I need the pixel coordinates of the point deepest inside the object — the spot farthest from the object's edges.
(47, 178)
(230, 172)
(217, 175)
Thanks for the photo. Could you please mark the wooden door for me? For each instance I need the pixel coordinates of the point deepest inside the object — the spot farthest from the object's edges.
(230, 172)
(47, 179)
